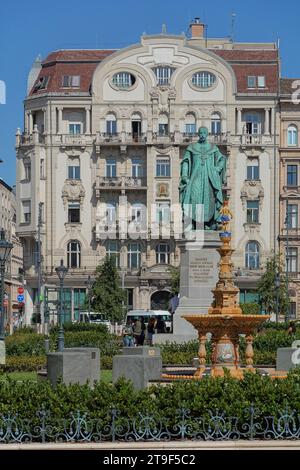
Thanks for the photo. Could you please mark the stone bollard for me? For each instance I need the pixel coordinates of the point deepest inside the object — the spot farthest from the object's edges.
(139, 365)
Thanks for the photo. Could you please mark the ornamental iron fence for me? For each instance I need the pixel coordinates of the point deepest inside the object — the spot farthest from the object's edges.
(112, 426)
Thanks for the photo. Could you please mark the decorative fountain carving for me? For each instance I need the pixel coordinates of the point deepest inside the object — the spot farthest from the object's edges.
(225, 320)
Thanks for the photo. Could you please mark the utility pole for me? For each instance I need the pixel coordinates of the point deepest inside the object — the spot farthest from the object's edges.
(39, 310)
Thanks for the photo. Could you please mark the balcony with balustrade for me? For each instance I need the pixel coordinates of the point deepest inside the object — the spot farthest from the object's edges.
(119, 183)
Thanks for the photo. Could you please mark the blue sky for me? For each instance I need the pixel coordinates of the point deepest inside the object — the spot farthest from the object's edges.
(29, 28)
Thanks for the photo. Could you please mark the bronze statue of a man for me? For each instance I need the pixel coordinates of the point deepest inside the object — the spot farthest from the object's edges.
(203, 172)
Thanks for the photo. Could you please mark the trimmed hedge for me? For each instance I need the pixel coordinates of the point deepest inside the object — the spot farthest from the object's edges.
(23, 363)
(229, 395)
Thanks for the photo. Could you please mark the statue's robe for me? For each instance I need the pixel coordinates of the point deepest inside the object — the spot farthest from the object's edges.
(205, 170)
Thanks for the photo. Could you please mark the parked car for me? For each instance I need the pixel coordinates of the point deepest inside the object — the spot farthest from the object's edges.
(164, 315)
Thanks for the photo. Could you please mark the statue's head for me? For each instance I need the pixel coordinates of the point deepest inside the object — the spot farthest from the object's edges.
(203, 133)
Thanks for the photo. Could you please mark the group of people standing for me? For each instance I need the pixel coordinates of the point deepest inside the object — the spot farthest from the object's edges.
(138, 332)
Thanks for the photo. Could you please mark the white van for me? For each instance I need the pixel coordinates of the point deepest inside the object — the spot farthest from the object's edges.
(164, 315)
(93, 317)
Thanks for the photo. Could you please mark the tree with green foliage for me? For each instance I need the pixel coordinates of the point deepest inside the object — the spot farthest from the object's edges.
(107, 296)
(268, 292)
(175, 279)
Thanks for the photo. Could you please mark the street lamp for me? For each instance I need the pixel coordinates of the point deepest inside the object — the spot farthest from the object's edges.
(5, 249)
(88, 284)
(61, 271)
(277, 286)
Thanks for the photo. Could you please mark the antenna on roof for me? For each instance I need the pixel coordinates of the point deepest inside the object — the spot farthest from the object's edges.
(233, 16)
(163, 29)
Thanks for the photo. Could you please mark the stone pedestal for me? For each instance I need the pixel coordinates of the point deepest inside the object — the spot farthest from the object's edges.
(287, 358)
(198, 276)
(74, 365)
(139, 364)
(2, 351)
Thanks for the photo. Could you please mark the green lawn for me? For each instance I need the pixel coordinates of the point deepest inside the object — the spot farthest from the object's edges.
(106, 376)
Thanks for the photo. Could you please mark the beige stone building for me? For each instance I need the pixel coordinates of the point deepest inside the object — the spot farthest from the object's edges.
(14, 265)
(106, 130)
(289, 235)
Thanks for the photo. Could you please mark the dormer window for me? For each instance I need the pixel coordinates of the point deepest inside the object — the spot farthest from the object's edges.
(71, 81)
(256, 81)
(41, 84)
(163, 75)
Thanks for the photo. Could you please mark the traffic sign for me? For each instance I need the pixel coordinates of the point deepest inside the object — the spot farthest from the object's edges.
(5, 303)
(20, 290)
(20, 298)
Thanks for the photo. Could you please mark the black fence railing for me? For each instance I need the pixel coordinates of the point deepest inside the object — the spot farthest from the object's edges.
(215, 425)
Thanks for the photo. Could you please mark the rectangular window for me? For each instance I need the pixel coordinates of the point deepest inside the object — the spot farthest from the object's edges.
(292, 309)
(261, 81)
(253, 170)
(163, 214)
(292, 259)
(292, 175)
(251, 81)
(111, 168)
(252, 212)
(137, 169)
(163, 129)
(42, 168)
(74, 128)
(74, 172)
(26, 212)
(71, 81)
(111, 127)
(27, 169)
(74, 212)
(163, 254)
(292, 216)
(111, 212)
(190, 128)
(163, 167)
(216, 126)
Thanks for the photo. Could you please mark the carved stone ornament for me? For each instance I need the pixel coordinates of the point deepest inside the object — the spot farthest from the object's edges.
(252, 190)
(73, 190)
(162, 190)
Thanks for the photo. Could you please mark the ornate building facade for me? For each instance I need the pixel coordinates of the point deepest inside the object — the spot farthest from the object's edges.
(14, 265)
(103, 138)
(289, 234)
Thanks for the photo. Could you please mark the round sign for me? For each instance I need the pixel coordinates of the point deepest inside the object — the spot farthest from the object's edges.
(20, 290)
(20, 298)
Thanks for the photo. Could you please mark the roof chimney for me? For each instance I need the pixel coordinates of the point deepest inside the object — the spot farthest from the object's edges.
(197, 28)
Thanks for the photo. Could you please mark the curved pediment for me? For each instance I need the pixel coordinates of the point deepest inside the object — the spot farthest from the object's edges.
(141, 60)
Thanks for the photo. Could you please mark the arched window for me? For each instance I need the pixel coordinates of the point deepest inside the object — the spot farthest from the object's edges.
(163, 253)
(190, 124)
(111, 124)
(163, 124)
(292, 135)
(134, 255)
(252, 255)
(216, 124)
(113, 251)
(73, 254)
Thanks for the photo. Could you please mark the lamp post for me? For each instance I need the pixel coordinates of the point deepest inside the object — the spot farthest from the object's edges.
(277, 286)
(5, 249)
(88, 284)
(61, 271)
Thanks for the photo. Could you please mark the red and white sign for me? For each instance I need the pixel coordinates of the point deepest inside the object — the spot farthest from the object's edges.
(5, 303)
(20, 290)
